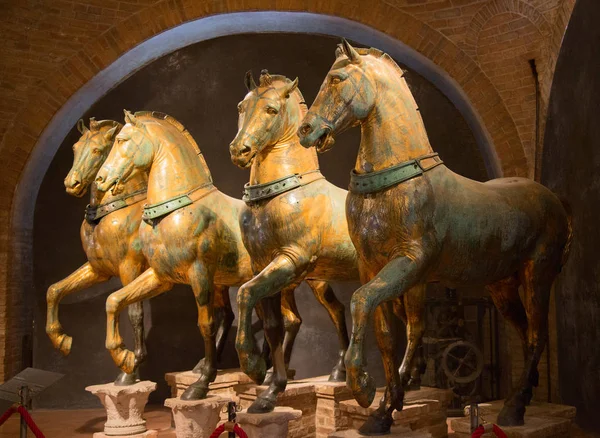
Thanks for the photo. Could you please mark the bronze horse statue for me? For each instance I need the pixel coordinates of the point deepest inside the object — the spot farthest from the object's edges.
(190, 234)
(109, 235)
(414, 221)
(293, 225)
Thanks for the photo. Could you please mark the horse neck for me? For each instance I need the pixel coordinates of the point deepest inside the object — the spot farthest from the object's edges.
(137, 182)
(393, 132)
(176, 170)
(284, 158)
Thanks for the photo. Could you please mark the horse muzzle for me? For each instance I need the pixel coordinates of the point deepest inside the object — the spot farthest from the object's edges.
(242, 156)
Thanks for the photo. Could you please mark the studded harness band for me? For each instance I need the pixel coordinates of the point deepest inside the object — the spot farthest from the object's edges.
(271, 189)
(93, 213)
(365, 183)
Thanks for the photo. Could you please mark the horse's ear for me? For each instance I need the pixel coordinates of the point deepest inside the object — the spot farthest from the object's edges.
(111, 133)
(350, 52)
(94, 125)
(81, 127)
(249, 81)
(130, 118)
(289, 88)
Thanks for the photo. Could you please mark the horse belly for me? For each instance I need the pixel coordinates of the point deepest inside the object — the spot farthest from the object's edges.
(106, 243)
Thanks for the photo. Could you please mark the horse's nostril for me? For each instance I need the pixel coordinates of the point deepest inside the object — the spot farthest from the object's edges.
(305, 129)
(76, 183)
(245, 149)
(99, 179)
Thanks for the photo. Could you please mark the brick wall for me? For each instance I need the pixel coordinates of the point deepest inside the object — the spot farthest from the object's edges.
(51, 48)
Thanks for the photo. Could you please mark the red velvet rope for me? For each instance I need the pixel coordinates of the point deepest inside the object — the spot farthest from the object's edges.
(23, 412)
(236, 429)
(481, 430)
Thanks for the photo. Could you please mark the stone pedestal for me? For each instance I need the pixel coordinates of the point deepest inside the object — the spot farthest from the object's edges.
(124, 408)
(272, 425)
(424, 412)
(317, 398)
(196, 418)
(396, 432)
(229, 383)
(542, 420)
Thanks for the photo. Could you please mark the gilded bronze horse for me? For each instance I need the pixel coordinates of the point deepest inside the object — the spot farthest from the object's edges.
(190, 235)
(109, 235)
(414, 221)
(294, 224)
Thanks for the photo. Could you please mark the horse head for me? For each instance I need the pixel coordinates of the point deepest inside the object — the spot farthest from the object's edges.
(269, 114)
(132, 151)
(346, 97)
(89, 153)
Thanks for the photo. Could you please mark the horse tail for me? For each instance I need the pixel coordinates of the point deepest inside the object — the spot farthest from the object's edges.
(567, 248)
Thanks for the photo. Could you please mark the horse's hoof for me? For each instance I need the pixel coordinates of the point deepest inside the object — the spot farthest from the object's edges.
(363, 388)
(125, 379)
(261, 406)
(194, 392)
(124, 359)
(338, 374)
(377, 424)
(511, 415)
(65, 344)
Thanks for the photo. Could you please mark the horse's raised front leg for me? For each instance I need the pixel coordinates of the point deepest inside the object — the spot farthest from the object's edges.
(81, 279)
(392, 281)
(128, 272)
(145, 286)
(202, 285)
(414, 306)
(325, 295)
(279, 274)
(386, 333)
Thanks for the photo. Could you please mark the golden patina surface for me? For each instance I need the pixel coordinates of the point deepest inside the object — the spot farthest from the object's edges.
(111, 243)
(291, 234)
(436, 227)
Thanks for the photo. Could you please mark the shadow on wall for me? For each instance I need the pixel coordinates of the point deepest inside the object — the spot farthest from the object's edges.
(570, 167)
(200, 86)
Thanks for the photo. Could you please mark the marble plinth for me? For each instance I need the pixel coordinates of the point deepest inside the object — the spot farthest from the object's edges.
(228, 383)
(196, 418)
(124, 407)
(542, 420)
(425, 411)
(273, 424)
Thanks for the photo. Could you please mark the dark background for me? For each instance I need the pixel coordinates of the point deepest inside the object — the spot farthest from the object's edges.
(570, 167)
(200, 86)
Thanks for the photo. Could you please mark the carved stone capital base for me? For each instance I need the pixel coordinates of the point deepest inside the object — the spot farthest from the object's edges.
(196, 418)
(124, 407)
(273, 424)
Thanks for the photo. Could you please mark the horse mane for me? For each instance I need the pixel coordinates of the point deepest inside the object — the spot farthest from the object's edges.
(375, 53)
(268, 79)
(173, 122)
(157, 115)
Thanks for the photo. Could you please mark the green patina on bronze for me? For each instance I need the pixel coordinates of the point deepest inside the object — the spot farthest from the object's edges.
(375, 181)
(293, 233)
(112, 246)
(163, 208)
(439, 227)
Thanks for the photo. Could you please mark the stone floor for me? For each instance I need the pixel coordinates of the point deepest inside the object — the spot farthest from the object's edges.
(84, 422)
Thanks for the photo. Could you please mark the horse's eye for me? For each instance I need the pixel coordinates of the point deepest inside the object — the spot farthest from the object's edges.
(335, 80)
(272, 110)
(96, 151)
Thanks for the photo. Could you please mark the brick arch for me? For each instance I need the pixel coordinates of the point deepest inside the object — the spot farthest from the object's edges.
(75, 72)
(496, 7)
